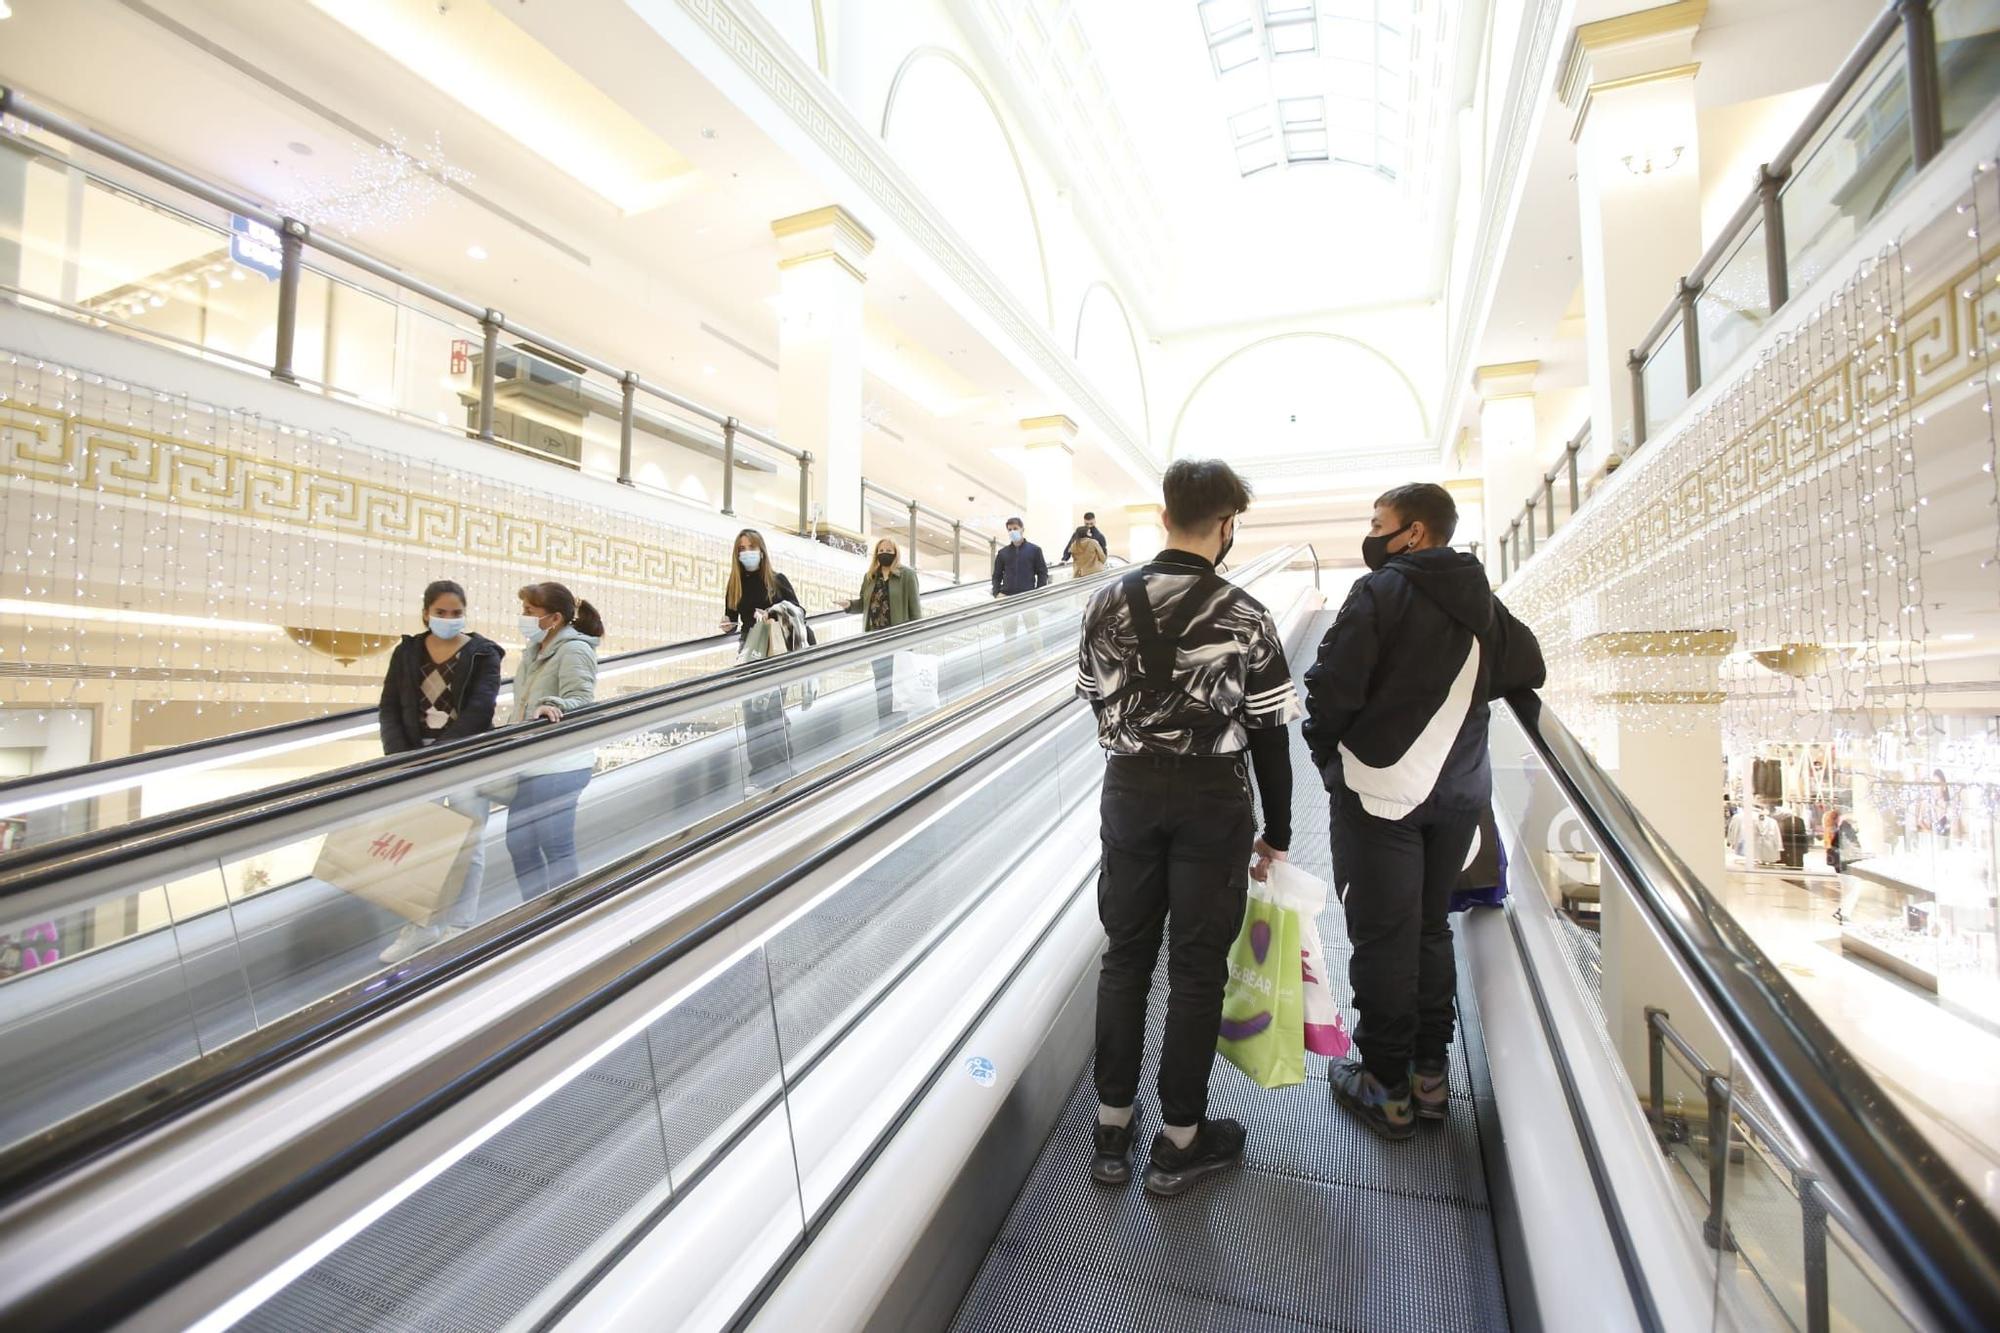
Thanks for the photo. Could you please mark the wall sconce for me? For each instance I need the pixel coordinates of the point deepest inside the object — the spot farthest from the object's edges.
(1658, 159)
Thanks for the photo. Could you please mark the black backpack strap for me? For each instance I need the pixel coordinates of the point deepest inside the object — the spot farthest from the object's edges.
(1158, 644)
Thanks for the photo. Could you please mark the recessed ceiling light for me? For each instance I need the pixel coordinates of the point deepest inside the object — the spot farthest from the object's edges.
(708, 370)
(708, 132)
(6, 10)
(302, 149)
(475, 252)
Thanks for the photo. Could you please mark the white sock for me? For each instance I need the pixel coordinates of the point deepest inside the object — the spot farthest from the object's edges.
(1120, 1116)
(1180, 1135)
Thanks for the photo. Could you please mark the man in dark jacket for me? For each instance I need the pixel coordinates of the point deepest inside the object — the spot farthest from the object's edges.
(1396, 711)
(1018, 567)
(1087, 529)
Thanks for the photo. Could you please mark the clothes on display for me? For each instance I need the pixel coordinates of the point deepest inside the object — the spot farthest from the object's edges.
(1794, 838)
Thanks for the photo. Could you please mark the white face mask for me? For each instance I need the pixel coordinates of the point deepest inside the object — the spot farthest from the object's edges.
(750, 560)
(447, 627)
(531, 629)
(1016, 536)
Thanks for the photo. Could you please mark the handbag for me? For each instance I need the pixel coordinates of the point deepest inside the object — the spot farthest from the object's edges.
(1325, 1026)
(915, 686)
(1263, 1002)
(410, 859)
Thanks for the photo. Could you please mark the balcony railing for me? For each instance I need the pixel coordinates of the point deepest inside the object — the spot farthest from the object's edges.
(530, 393)
(1920, 74)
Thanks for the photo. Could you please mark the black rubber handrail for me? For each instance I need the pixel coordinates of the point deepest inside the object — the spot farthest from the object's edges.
(89, 853)
(95, 779)
(1921, 1217)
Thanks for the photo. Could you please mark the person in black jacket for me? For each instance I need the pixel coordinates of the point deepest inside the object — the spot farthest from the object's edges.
(1018, 566)
(441, 686)
(1088, 528)
(1396, 710)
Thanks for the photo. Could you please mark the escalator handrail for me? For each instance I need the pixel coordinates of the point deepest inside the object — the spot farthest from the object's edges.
(113, 1289)
(1934, 1232)
(83, 781)
(326, 797)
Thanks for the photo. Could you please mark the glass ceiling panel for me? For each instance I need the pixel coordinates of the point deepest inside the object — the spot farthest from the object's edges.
(1362, 54)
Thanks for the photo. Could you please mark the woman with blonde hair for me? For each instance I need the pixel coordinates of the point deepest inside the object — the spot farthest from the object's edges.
(754, 587)
(1086, 558)
(889, 597)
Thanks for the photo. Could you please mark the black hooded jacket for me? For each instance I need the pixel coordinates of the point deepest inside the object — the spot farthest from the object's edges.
(1396, 704)
(401, 713)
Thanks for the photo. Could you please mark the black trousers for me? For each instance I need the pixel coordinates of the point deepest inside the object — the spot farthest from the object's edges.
(1394, 878)
(1177, 833)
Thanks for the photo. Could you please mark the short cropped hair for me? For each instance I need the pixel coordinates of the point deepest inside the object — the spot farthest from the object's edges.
(1201, 492)
(1423, 502)
(1015, 523)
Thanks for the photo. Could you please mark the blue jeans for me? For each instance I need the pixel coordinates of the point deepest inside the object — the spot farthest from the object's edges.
(541, 830)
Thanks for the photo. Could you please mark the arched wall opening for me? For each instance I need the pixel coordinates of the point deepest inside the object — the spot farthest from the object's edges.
(1299, 393)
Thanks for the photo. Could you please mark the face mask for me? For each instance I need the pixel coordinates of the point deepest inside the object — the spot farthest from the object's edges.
(1227, 542)
(1375, 550)
(885, 558)
(447, 628)
(750, 560)
(1015, 536)
(531, 629)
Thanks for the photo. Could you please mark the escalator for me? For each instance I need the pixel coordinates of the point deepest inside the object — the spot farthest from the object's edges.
(826, 1070)
(209, 925)
(112, 792)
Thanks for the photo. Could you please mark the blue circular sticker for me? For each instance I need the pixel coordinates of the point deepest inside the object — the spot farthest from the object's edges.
(981, 1069)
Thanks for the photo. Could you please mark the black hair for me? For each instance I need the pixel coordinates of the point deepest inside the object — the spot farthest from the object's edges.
(1090, 516)
(1201, 492)
(440, 588)
(1423, 502)
(554, 597)
(1015, 523)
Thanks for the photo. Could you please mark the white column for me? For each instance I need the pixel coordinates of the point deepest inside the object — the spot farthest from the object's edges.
(1506, 449)
(1146, 532)
(1051, 443)
(821, 275)
(1629, 82)
(1664, 750)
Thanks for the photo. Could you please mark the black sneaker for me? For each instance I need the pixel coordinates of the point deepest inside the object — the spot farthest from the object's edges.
(1113, 1163)
(1217, 1145)
(1430, 1090)
(1384, 1110)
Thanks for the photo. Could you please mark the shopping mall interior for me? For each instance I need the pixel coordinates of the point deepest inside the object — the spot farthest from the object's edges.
(786, 1019)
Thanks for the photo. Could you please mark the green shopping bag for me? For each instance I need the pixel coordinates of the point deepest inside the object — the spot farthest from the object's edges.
(1263, 1006)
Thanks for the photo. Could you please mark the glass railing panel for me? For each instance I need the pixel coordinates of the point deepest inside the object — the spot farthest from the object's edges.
(518, 1219)
(164, 953)
(1734, 305)
(1665, 376)
(1968, 46)
(1850, 171)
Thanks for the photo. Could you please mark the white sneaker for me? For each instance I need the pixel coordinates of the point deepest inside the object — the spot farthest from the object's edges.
(409, 940)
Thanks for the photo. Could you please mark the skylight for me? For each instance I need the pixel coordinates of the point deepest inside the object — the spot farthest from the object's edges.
(1319, 80)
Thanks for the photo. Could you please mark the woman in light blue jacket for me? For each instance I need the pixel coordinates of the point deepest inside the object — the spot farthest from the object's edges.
(558, 675)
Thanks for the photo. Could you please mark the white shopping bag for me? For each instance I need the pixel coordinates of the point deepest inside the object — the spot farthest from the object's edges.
(916, 683)
(1326, 1028)
(411, 859)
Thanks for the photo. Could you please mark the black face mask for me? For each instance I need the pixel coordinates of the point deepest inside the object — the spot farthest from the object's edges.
(1223, 554)
(1375, 550)
(885, 558)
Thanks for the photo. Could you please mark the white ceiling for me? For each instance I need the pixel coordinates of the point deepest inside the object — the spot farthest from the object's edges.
(682, 288)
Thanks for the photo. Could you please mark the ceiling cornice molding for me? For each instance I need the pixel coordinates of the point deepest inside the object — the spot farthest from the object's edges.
(1623, 30)
(816, 109)
(1525, 96)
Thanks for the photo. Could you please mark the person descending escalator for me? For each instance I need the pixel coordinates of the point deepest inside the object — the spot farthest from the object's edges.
(889, 597)
(754, 588)
(1085, 531)
(1187, 676)
(1086, 558)
(441, 685)
(558, 675)
(1396, 708)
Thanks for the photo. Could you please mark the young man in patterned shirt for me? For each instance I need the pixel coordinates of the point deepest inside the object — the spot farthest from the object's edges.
(1191, 690)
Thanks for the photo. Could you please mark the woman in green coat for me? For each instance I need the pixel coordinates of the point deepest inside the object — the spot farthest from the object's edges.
(888, 598)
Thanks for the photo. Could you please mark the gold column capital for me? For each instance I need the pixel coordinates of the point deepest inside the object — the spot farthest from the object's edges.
(1627, 51)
